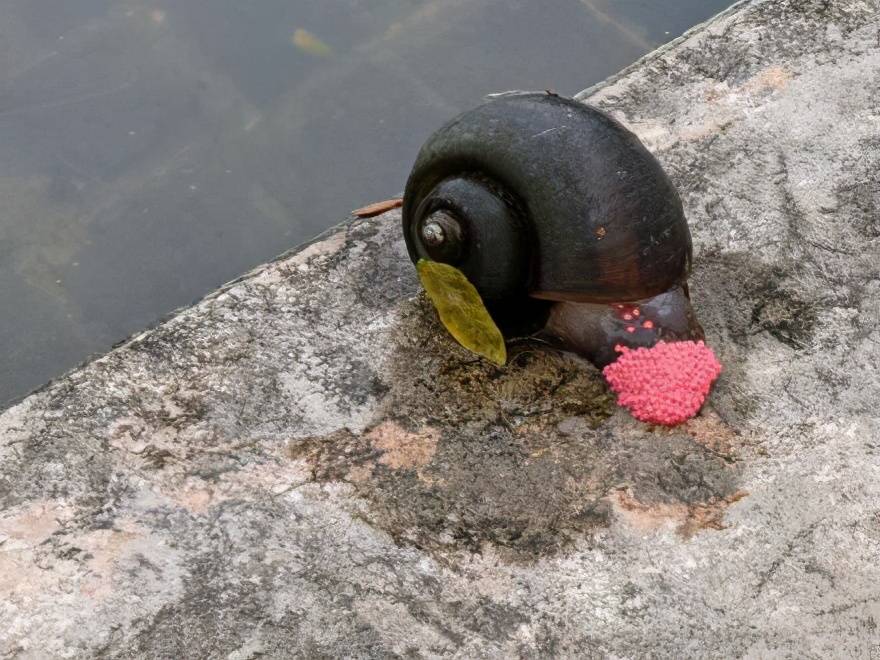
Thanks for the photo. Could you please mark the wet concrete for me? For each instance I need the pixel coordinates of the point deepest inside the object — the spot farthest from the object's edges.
(303, 463)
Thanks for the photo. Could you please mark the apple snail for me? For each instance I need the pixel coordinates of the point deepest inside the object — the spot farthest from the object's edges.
(567, 228)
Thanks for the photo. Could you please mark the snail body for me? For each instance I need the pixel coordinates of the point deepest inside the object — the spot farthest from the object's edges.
(563, 221)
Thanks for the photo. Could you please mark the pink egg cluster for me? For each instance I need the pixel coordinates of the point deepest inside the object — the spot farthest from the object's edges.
(665, 384)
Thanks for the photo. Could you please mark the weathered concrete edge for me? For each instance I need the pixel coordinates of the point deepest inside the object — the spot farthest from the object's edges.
(256, 271)
(663, 49)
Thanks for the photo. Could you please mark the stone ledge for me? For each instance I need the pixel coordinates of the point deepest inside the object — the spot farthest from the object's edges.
(302, 463)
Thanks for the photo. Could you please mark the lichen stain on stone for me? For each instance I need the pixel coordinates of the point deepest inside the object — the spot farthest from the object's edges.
(687, 519)
(328, 246)
(104, 549)
(31, 525)
(714, 434)
(526, 459)
(194, 499)
(402, 449)
(773, 78)
(34, 540)
(198, 495)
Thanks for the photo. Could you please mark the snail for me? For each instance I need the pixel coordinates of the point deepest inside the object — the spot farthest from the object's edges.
(564, 223)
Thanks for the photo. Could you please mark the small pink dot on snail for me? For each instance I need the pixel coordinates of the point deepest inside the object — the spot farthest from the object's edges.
(630, 328)
(627, 317)
(648, 324)
(636, 311)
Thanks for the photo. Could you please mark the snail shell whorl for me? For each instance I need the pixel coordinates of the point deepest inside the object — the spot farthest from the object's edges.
(555, 199)
(481, 232)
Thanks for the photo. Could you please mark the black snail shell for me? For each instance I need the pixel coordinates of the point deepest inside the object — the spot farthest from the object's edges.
(561, 219)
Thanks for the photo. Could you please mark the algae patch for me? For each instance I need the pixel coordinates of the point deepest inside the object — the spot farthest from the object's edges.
(525, 459)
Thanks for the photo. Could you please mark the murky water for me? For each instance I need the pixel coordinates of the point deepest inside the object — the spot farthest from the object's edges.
(150, 151)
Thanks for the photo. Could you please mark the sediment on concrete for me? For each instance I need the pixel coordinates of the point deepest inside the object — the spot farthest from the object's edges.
(304, 464)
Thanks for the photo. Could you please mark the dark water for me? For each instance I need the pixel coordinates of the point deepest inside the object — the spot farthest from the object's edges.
(150, 151)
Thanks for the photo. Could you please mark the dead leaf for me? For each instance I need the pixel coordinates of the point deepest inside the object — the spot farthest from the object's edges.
(462, 310)
(378, 208)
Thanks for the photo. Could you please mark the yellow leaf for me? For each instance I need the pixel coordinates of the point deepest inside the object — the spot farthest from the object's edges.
(462, 310)
(309, 43)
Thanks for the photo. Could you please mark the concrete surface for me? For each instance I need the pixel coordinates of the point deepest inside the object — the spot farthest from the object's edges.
(303, 464)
